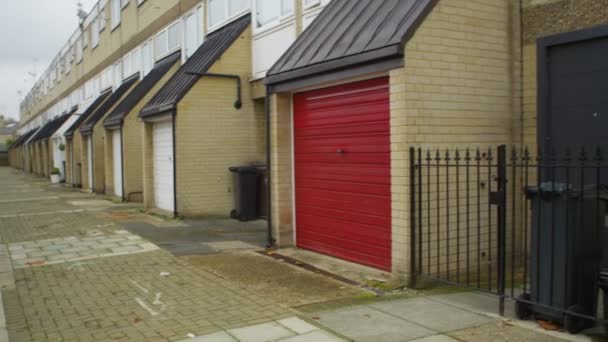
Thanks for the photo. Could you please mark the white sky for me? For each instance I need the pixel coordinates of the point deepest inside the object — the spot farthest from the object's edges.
(31, 34)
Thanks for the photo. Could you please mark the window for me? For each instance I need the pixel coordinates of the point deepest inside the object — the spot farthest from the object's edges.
(116, 13)
(131, 63)
(310, 3)
(95, 33)
(193, 32)
(79, 50)
(147, 57)
(85, 38)
(102, 19)
(161, 44)
(267, 13)
(237, 6)
(139, 2)
(117, 75)
(168, 40)
(123, 3)
(221, 11)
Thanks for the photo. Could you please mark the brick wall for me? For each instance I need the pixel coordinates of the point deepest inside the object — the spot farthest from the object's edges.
(460, 87)
(132, 145)
(545, 18)
(212, 136)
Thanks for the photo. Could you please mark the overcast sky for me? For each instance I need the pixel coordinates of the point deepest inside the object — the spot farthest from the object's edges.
(31, 34)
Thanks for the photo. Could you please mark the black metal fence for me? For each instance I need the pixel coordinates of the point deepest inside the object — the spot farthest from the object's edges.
(531, 228)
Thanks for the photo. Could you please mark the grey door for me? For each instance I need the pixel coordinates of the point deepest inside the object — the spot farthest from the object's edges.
(577, 95)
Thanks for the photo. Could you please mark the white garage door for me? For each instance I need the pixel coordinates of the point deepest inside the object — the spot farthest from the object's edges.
(117, 157)
(163, 166)
(90, 161)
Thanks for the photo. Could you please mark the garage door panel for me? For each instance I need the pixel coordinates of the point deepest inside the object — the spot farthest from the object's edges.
(363, 159)
(163, 165)
(344, 186)
(368, 240)
(368, 218)
(365, 127)
(373, 174)
(342, 172)
(359, 253)
(349, 144)
(352, 114)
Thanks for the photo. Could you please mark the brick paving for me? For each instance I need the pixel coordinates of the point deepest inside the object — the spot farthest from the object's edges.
(70, 284)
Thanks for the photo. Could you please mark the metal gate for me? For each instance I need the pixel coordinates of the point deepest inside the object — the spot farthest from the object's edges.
(521, 227)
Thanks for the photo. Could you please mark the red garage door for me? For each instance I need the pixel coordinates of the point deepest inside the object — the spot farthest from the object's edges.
(342, 172)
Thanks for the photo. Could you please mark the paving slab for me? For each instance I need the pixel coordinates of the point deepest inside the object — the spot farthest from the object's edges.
(367, 324)
(436, 338)
(221, 336)
(261, 333)
(430, 314)
(314, 336)
(297, 325)
(503, 332)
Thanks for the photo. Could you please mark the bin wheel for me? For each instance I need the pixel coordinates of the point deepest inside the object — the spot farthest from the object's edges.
(523, 310)
(574, 324)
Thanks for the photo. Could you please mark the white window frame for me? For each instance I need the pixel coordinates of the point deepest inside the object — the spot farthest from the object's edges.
(147, 67)
(102, 19)
(198, 12)
(116, 13)
(281, 19)
(165, 31)
(95, 33)
(312, 4)
(79, 51)
(227, 17)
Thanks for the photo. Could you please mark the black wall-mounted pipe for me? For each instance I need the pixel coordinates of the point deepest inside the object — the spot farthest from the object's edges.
(238, 104)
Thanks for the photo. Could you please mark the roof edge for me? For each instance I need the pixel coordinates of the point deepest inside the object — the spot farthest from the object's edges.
(369, 57)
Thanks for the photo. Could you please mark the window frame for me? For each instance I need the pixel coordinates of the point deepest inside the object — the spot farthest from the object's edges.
(272, 24)
(159, 56)
(200, 30)
(227, 17)
(95, 33)
(116, 15)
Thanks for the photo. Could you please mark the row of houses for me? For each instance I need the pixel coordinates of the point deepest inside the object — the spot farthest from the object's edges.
(329, 95)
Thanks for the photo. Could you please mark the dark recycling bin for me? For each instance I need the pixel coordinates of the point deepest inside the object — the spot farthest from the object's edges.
(565, 252)
(246, 192)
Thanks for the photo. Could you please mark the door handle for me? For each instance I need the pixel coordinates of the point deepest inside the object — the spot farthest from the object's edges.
(340, 151)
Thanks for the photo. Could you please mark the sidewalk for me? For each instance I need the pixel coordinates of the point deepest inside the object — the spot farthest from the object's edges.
(74, 267)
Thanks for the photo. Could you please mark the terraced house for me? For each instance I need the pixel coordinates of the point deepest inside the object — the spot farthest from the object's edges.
(163, 97)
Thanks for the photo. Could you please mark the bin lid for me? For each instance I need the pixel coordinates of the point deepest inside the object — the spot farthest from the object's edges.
(560, 189)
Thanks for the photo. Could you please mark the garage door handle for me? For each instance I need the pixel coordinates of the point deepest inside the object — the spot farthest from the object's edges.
(340, 151)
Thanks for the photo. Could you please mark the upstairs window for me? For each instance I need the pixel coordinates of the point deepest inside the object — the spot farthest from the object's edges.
(221, 11)
(193, 32)
(79, 50)
(116, 13)
(95, 33)
(268, 13)
(168, 40)
(147, 57)
(102, 19)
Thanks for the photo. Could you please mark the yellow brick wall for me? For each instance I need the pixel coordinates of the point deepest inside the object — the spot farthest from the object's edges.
(281, 169)
(109, 161)
(460, 87)
(79, 163)
(148, 164)
(212, 136)
(133, 147)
